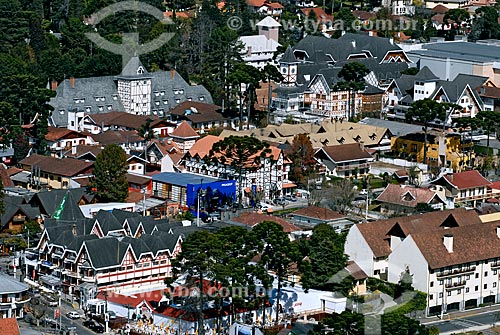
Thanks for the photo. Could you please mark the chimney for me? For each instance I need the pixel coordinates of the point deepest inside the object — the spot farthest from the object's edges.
(391, 40)
(343, 32)
(353, 42)
(172, 73)
(249, 51)
(72, 81)
(74, 229)
(73, 150)
(448, 242)
(498, 231)
(53, 85)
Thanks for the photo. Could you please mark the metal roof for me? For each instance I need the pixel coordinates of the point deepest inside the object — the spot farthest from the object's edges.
(9, 285)
(182, 179)
(469, 51)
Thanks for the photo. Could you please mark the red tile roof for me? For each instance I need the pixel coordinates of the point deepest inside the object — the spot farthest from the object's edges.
(256, 3)
(252, 219)
(376, 233)
(320, 13)
(184, 130)
(406, 196)
(320, 213)
(13, 170)
(8, 326)
(165, 146)
(440, 9)
(467, 179)
(203, 146)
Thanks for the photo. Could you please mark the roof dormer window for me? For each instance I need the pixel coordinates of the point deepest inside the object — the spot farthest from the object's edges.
(140, 70)
(115, 96)
(202, 98)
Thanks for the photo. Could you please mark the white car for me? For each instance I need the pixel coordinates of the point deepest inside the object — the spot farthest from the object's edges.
(363, 192)
(73, 315)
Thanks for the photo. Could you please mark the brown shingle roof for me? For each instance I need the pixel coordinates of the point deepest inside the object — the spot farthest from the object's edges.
(440, 9)
(346, 152)
(5, 177)
(67, 167)
(470, 243)
(122, 119)
(406, 196)
(82, 150)
(9, 326)
(356, 272)
(137, 179)
(253, 219)
(376, 233)
(467, 179)
(184, 130)
(55, 134)
(117, 137)
(204, 112)
(165, 146)
(320, 213)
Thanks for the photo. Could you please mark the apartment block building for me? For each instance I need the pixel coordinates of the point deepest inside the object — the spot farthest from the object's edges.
(451, 255)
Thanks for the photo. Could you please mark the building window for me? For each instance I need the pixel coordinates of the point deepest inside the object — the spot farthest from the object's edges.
(431, 296)
(495, 284)
(432, 284)
(476, 288)
(449, 293)
(459, 291)
(485, 286)
(495, 272)
(440, 294)
(486, 273)
(440, 282)
(466, 290)
(477, 275)
(467, 277)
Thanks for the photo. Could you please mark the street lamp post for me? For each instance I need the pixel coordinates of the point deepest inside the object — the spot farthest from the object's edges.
(198, 203)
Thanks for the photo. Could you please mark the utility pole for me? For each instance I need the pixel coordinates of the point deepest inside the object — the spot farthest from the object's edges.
(367, 197)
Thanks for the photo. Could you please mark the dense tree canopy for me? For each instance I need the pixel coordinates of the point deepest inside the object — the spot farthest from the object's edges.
(110, 180)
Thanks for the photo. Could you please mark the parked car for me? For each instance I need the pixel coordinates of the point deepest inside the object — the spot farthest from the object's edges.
(73, 315)
(290, 198)
(280, 201)
(263, 206)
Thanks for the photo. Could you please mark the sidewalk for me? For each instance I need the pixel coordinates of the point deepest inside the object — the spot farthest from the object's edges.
(460, 314)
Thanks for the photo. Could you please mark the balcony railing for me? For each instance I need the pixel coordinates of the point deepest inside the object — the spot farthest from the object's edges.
(495, 265)
(455, 272)
(455, 285)
(341, 168)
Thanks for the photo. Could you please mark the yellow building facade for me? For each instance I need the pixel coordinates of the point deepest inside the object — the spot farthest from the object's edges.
(451, 150)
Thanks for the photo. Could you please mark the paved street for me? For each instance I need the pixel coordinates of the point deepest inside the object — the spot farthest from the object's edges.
(479, 320)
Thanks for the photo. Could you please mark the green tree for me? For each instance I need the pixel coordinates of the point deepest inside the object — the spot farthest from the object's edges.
(340, 195)
(346, 18)
(197, 260)
(485, 24)
(410, 71)
(20, 145)
(241, 153)
(244, 74)
(110, 175)
(352, 75)
(488, 121)
(325, 250)
(425, 111)
(301, 153)
(278, 253)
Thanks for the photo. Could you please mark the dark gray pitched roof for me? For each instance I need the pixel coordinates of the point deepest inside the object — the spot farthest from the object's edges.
(108, 222)
(138, 246)
(13, 205)
(50, 199)
(370, 89)
(106, 252)
(425, 74)
(288, 56)
(100, 94)
(131, 69)
(71, 210)
(346, 45)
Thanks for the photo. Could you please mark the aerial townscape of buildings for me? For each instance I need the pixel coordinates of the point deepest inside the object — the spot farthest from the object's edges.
(270, 167)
